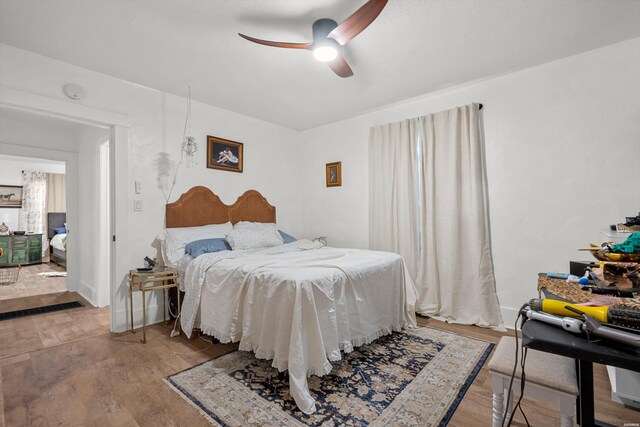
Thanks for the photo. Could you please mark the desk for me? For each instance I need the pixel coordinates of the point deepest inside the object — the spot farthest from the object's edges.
(145, 281)
(544, 337)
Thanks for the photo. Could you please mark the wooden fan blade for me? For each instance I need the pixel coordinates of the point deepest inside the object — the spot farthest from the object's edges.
(277, 44)
(340, 67)
(358, 21)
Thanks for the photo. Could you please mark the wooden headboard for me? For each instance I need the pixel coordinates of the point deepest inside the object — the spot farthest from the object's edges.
(199, 206)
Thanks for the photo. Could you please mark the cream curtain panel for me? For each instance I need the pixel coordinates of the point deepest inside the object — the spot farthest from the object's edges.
(428, 202)
(34, 205)
(56, 192)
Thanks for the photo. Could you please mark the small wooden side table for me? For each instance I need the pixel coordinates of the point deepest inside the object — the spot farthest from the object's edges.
(144, 281)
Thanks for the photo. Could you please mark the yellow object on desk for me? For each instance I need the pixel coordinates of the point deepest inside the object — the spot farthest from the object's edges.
(144, 281)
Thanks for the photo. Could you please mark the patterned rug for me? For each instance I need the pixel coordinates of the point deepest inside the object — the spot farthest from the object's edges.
(414, 378)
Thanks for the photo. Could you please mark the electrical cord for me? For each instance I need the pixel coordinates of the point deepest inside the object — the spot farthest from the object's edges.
(175, 353)
(175, 333)
(184, 135)
(522, 385)
(513, 374)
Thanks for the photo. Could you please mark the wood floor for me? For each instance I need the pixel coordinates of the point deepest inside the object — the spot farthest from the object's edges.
(66, 369)
(30, 284)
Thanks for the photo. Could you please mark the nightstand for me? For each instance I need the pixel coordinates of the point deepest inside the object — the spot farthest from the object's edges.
(145, 281)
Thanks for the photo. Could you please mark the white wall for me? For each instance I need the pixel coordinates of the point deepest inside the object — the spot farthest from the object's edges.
(562, 145)
(561, 138)
(11, 174)
(156, 120)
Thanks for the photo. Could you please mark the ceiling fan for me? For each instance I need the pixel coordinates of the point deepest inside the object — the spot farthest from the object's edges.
(328, 36)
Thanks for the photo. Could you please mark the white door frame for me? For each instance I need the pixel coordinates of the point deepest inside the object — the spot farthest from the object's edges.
(104, 228)
(119, 171)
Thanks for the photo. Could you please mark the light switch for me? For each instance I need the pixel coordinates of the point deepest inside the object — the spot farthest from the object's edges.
(137, 205)
(138, 187)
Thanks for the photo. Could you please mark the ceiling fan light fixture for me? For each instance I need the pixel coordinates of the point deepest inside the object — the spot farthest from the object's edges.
(325, 53)
(329, 37)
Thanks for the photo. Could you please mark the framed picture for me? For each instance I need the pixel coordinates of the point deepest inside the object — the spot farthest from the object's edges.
(10, 196)
(334, 174)
(224, 154)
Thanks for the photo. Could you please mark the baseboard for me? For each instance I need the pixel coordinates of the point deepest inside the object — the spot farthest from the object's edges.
(509, 316)
(153, 312)
(86, 291)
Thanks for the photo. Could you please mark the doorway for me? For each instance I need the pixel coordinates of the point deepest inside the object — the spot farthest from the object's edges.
(27, 236)
(117, 127)
(82, 148)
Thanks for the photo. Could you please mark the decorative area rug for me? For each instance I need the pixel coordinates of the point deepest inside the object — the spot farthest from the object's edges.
(414, 378)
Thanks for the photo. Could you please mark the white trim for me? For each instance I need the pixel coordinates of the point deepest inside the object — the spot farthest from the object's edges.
(121, 258)
(67, 110)
(509, 316)
(154, 313)
(119, 166)
(86, 291)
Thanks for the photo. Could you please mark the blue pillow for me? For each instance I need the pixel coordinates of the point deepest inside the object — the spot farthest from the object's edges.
(60, 230)
(206, 246)
(286, 237)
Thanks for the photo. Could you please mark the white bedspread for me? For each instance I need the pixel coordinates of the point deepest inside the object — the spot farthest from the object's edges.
(59, 241)
(299, 304)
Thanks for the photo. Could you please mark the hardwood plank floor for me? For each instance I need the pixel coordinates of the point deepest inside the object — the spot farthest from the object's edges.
(61, 370)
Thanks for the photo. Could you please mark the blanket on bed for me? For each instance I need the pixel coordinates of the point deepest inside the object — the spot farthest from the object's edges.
(299, 304)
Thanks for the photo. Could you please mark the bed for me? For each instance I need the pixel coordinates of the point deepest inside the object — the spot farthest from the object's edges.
(299, 304)
(57, 241)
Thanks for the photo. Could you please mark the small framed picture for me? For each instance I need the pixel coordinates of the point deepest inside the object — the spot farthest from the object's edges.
(224, 154)
(10, 196)
(334, 174)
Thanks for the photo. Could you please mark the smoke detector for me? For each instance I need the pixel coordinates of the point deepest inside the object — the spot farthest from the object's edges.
(73, 91)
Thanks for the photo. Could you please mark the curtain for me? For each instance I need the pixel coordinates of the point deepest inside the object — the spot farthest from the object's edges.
(393, 191)
(56, 192)
(429, 203)
(34, 203)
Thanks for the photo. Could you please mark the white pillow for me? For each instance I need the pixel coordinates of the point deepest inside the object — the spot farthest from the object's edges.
(173, 240)
(256, 225)
(254, 238)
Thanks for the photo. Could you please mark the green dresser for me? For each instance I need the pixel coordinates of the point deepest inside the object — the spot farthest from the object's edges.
(21, 250)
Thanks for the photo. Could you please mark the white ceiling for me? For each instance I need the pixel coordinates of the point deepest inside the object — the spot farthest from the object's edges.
(413, 48)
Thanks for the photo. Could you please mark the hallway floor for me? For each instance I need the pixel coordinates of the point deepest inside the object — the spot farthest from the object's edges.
(30, 284)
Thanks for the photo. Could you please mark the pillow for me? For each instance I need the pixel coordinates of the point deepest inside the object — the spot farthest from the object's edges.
(206, 246)
(60, 230)
(174, 240)
(254, 238)
(256, 225)
(287, 238)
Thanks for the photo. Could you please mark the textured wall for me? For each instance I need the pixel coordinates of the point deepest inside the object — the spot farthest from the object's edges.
(562, 144)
